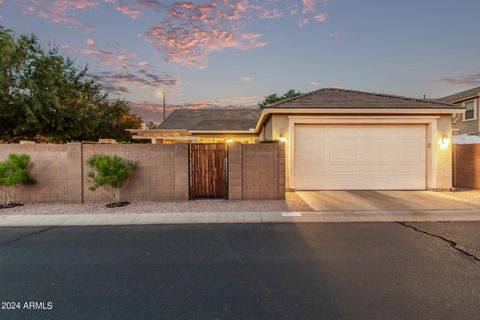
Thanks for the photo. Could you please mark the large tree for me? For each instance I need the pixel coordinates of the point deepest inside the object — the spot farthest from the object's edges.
(275, 97)
(45, 97)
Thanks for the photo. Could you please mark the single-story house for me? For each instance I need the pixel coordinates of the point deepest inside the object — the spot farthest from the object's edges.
(204, 126)
(340, 139)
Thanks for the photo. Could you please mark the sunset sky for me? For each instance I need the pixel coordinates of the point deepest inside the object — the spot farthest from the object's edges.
(234, 52)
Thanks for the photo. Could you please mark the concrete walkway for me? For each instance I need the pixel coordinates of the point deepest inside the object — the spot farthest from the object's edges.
(236, 217)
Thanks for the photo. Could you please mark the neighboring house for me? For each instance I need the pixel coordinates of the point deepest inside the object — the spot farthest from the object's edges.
(204, 126)
(467, 126)
(342, 139)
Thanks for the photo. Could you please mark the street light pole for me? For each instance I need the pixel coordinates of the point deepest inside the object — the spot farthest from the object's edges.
(164, 105)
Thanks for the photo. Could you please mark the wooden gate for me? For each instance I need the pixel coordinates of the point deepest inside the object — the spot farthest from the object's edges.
(208, 171)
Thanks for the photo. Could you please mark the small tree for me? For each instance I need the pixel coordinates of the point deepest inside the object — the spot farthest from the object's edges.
(110, 174)
(276, 98)
(150, 125)
(13, 172)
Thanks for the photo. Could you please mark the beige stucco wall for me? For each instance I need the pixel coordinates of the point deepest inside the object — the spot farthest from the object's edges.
(443, 158)
(275, 126)
(267, 130)
(279, 126)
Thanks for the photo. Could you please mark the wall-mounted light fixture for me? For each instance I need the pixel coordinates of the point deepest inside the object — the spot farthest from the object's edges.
(444, 142)
(229, 141)
(282, 139)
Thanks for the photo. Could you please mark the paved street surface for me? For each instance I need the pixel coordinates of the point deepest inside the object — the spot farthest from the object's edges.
(244, 271)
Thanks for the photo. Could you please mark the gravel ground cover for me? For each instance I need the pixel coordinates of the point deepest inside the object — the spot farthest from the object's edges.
(292, 203)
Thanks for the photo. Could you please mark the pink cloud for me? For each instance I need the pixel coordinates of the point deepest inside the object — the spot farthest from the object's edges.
(135, 9)
(271, 14)
(60, 11)
(191, 32)
(90, 42)
(119, 82)
(228, 103)
(322, 17)
(236, 101)
(246, 79)
(187, 32)
(128, 10)
(117, 59)
(303, 22)
(337, 34)
(142, 63)
(309, 5)
(472, 79)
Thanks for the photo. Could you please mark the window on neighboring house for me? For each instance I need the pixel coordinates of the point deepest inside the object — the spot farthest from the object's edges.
(470, 112)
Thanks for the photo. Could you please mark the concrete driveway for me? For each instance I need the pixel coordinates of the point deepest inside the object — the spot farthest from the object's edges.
(383, 200)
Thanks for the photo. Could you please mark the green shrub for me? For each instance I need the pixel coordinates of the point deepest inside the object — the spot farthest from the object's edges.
(13, 172)
(110, 174)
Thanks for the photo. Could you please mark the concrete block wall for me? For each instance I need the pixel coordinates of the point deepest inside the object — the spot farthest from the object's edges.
(61, 172)
(256, 171)
(180, 172)
(235, 169)
(162, 173)
(467, 166)
(56, 168)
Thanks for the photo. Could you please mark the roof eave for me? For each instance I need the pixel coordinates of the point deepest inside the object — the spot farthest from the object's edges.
(222, 131)
(475, 96)
(156, 130)
(268, 111)
(413, 100)
(295, 109)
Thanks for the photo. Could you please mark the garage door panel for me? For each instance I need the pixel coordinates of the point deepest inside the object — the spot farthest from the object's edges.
(343, 156)
(360, 157)
(375, 155)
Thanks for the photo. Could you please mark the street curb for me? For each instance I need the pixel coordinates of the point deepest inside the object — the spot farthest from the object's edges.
(236, 217)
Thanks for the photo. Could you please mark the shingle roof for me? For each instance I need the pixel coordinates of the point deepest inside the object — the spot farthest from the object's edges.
(460, 95)
(350, 99)
(211, 119)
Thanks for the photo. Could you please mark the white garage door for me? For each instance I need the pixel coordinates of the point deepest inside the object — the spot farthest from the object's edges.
(360, 157)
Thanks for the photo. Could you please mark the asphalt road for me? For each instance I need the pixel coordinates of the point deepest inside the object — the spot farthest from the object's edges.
(239, 271)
